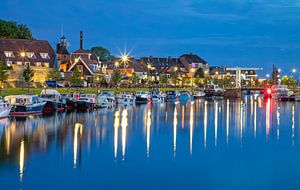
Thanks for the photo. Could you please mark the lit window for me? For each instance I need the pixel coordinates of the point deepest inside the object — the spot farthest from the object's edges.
(30, 55)
(80, 68)
(19, 62)
(9, 54)
(38, 64)
(46, 64)
(45, 55)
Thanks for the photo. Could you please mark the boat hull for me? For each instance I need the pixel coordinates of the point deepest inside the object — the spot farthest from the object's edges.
(141, 100)
(71, 105)
(4, 112)
(84, 105)
(25, 110)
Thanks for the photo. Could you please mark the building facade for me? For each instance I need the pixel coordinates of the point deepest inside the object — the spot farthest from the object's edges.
(18, 53)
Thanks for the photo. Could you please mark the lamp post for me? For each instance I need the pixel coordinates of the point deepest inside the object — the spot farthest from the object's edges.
(22, 54)
(175, 69)
(98, 79)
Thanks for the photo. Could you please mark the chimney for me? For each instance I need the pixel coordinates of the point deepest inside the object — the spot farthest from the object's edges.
(81, 38)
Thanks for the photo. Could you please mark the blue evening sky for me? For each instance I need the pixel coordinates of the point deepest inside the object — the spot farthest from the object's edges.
(256, 33)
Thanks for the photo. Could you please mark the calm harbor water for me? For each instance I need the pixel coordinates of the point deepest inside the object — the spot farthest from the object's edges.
(190, 145)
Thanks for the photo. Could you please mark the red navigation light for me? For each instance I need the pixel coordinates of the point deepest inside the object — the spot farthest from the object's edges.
(269, 91)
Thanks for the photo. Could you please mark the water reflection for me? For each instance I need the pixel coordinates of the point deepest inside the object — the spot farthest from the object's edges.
(175, 131)
(21, 160)
(205, 122)
(80, 138)
(116, 129)
(191, 127)
(77, 131)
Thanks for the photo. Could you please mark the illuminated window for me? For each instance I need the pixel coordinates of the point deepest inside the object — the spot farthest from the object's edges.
(80, 68)
(9, 54)
(38, 64)
(46, 64)
(19, 62)
(30, 55)
(45, 55)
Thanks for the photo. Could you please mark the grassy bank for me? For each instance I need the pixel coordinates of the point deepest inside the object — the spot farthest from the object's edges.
(16, 91)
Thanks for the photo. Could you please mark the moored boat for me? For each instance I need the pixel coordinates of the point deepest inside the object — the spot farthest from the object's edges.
(106, 99)
(54, 101)
(71, 101)
(5, 108)
(24, 105)
(172, 96)
(142, 97)
(199, 94)
(86, 102)
(213, 90)
(126, 98)
(186, 95)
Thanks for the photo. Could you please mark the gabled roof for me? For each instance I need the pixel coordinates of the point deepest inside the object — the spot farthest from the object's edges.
(84, 62)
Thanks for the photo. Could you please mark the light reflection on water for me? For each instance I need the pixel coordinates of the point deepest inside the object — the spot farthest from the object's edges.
(167, 138)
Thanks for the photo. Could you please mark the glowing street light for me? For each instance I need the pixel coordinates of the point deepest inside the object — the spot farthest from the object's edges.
(267, 75)
(124, 58)
(116, 63)
(22, 54)
(279, 70)
(294, 70)
(176, 68)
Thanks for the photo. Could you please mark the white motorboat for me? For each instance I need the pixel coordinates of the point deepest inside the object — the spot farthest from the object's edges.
(199, 94)
(5, 108)
(106, 99)
(126, 98)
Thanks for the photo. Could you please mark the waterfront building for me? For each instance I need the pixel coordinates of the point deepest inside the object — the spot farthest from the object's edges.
(86, 63)
(192, 62)
(17, 53)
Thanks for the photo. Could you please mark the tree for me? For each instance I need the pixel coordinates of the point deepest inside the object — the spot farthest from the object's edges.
(175, 79)
(134, 79)
(199, 73)
(28, 74)
(54, 75)
(116, 78)
(275, 75)
(76, 78)
(13, 30)
(291, 81)
(3, 73)
(186, 80)
(103, 53)
(163, 79)
(285, 80)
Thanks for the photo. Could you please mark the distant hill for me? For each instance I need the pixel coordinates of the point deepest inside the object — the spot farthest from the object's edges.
(9, 29)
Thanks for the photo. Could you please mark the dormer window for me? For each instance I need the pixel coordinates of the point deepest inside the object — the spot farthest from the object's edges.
(30, 55)
(45, 55)
(9, 54)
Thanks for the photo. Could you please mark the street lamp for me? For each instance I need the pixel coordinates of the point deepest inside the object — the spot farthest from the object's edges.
(116, 64)
(267, 75)
(22, 54)
(294, 71)
(279, 70)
